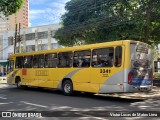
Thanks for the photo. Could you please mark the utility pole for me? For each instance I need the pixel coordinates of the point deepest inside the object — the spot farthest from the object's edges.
(15, 40)
(19, 38)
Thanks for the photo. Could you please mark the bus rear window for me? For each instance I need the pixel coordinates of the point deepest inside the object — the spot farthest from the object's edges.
(140, 55)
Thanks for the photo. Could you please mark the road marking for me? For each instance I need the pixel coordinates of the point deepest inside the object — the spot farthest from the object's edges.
(3, 98)
(97, 118)
(34, 104)
(5, 103)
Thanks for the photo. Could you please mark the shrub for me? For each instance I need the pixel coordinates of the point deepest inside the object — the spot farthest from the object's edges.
(156, 75)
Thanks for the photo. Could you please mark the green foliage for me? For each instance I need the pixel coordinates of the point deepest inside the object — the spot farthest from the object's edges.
(9, 7)
(156, 75)
(93, 21)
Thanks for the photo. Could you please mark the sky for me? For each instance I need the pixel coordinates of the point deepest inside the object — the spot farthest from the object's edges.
(43, 12)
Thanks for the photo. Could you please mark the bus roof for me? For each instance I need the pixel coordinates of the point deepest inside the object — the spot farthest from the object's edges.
(83, 47)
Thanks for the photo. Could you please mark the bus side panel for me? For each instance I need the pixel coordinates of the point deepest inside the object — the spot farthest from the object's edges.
(64, 73)
(114, 79)
(41, 76)
(48, 78)
(113, 84)
(79, 76)
(11, 77)
(28, 77)
(82, 81)
(127, 66)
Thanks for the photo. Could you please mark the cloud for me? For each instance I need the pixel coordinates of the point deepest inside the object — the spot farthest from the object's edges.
(37, 12)
(37, 2)
(45, 16)
(34, 14)
(46, 11)
(57, 5)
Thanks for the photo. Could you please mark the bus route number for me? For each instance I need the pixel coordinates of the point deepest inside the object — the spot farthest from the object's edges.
(105, 71)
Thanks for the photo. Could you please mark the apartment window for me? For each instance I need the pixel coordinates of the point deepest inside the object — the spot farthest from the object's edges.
(54, 45)
(42, 35)
(10, 40)
(30, 36)
(53, 33)
(30, 48)
(42, 47)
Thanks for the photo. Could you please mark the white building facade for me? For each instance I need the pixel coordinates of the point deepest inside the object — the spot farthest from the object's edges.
(156, 62)
(31, 39)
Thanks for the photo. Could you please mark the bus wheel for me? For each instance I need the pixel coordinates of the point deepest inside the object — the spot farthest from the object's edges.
(18, 83)
(67, 87)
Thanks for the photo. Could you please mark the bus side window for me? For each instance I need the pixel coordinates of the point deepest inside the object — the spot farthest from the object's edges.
(51, 60)
(35, 61)
(103, 57)
(118, 56)
(65, 59)
(46, 59)
(19, 62)
(82, 58)
(28, 62)
(41, 61)
(10, 66)
(38, 61)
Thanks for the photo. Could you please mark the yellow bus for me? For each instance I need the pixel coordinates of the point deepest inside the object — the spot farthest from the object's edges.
(110, 67)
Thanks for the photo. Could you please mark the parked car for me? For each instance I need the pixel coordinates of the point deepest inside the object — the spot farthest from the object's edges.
(3, 79)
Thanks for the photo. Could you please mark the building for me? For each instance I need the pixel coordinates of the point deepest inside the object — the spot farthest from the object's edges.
(156, 62)
(21, 16)
(32, 39)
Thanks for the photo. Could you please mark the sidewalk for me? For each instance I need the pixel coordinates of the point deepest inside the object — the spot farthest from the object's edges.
(153, 94)
(4, 85)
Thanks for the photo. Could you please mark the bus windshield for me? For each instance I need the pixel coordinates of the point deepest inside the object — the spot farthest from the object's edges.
(10, 66)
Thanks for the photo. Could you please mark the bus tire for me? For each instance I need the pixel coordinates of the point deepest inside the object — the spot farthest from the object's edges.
(18, 83)
(67, 87)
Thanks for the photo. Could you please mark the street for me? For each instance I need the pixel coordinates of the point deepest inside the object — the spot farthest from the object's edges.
(37, 99)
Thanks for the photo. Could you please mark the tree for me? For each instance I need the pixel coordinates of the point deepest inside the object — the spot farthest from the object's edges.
(93, 21)
(9, 7)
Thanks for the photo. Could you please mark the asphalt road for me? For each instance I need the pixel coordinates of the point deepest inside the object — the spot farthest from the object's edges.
(36, 99)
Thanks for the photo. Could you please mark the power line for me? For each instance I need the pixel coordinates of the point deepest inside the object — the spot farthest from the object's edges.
(6, 22)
